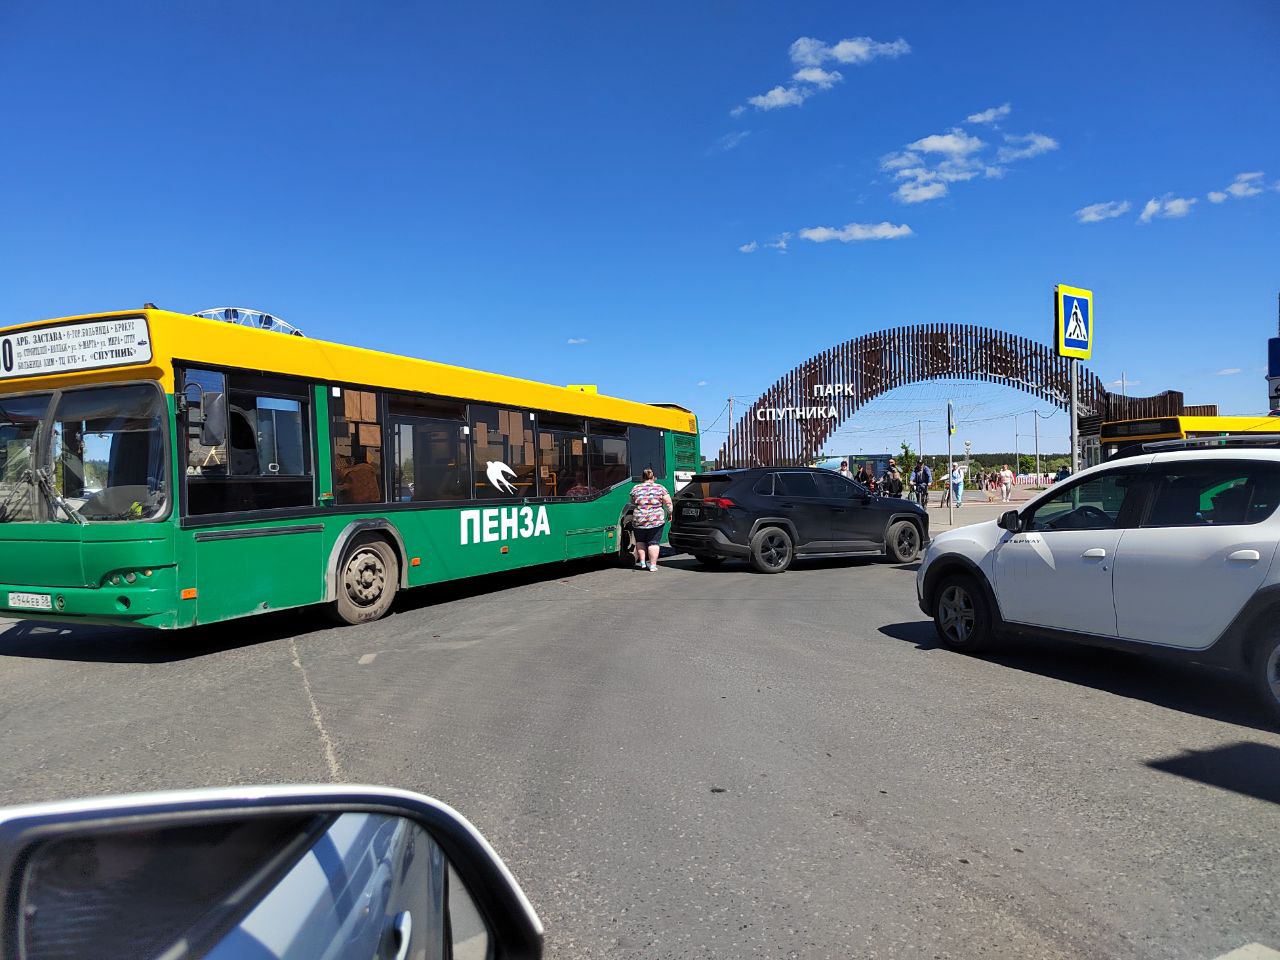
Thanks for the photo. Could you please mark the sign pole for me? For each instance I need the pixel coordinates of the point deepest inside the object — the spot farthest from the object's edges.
(1075, 415)
(1035, 422)
(951, 494)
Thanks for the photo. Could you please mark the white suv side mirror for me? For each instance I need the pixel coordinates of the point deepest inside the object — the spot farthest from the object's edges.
(287, 872)
(1010, 520)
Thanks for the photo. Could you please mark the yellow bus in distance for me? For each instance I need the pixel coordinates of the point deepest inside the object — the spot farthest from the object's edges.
(1119, 435)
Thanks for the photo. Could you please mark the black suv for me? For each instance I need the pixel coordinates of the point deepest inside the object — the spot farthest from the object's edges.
(775, 514)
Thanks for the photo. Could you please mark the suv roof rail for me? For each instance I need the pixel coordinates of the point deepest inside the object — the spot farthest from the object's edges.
(1225, 440)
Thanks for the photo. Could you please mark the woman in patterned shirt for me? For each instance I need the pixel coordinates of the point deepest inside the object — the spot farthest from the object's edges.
(651, 507)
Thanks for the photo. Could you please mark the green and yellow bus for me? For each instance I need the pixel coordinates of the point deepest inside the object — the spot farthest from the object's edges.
(1119, 435)
(164, 470)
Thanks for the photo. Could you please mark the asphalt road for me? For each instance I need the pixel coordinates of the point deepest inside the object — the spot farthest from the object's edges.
(698, 763)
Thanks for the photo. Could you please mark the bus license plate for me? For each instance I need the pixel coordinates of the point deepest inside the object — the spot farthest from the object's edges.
(31, 601)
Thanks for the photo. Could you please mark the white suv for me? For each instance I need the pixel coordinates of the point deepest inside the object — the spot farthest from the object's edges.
(1171, 551)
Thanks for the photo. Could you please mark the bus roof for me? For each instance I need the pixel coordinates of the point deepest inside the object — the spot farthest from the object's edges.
(177, 337)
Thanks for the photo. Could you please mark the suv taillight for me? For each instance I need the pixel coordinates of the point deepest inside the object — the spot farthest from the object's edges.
(724, 503)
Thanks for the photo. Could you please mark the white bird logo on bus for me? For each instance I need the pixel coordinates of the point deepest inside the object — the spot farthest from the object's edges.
(497, 472)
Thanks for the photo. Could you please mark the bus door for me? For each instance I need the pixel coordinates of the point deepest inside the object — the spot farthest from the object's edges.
(248, 465)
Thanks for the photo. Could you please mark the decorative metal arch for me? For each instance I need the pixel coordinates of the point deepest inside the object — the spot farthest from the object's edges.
(876, 363)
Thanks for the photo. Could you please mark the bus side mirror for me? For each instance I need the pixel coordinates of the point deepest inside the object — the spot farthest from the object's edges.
(213, 419)
(1010, 520)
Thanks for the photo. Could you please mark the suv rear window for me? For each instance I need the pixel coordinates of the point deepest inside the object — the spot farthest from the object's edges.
(703, 486)
(1200, 493)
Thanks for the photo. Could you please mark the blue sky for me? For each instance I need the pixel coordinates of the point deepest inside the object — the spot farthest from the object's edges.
(483, 184)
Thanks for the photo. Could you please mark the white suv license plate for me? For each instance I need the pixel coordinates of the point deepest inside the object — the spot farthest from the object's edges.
(31, 601)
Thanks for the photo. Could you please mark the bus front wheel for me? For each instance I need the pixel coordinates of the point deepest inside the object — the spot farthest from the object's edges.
(367, 580)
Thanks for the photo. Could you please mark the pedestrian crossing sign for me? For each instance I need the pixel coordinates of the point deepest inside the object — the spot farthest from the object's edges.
(1073, 310)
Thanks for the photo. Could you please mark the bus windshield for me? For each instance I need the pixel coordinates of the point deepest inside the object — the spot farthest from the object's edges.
(103, 461)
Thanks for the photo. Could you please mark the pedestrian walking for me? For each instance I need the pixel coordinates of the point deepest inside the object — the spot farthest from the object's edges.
(844, 470)
(921, 478)
(867, 475)
(1006, 484)
(955, 479)
(651, 508)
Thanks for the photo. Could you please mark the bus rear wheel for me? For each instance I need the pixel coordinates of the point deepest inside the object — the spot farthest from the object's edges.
(367, 581)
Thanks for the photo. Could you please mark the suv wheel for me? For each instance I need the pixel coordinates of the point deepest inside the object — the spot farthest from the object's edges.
(902, 541)
(1266, 669)
(961, 614)
(771, 550)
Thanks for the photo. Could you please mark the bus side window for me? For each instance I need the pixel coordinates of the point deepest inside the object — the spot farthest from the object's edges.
(562, 456)
(430, 455)
(503, 465)
(608, 463)
(264, 461)
(357, 446)
(648, 449)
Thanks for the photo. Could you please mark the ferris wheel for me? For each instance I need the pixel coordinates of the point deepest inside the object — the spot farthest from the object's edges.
(247, 317)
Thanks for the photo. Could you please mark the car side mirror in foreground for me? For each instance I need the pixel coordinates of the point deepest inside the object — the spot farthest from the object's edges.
(1010, 520)
(281, 872)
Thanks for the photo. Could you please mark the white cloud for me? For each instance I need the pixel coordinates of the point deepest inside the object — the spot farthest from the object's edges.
(729, 141)
(1244, 185)
(1228, 372)
(810, 52)
(780, 244)
(822, 79)
(918, 191)
(991, 115)
(926, 166)
(751, 247)
(1125, 384)
(702, 383)
(896, 161)
(1032, 145)
(1168, 206)
(574, 341)
(854, 232)
(808, 55)
(779, 97)
(957, 143)
(1097, 212)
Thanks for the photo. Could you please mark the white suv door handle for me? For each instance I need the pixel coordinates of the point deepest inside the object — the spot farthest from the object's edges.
(1097, 553)
(1245, 555)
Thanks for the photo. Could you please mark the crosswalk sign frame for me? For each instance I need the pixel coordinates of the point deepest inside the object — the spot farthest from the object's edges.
(1066, 300)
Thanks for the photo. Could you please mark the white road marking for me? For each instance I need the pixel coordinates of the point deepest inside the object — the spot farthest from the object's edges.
(330, 755)
(367, 659)
(1251, 951)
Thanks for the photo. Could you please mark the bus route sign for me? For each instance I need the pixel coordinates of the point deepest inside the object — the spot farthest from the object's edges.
(1073, 321)
(63, 347)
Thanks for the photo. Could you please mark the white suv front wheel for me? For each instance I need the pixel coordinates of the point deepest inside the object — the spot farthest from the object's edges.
(1266, 668)
(961, 614)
